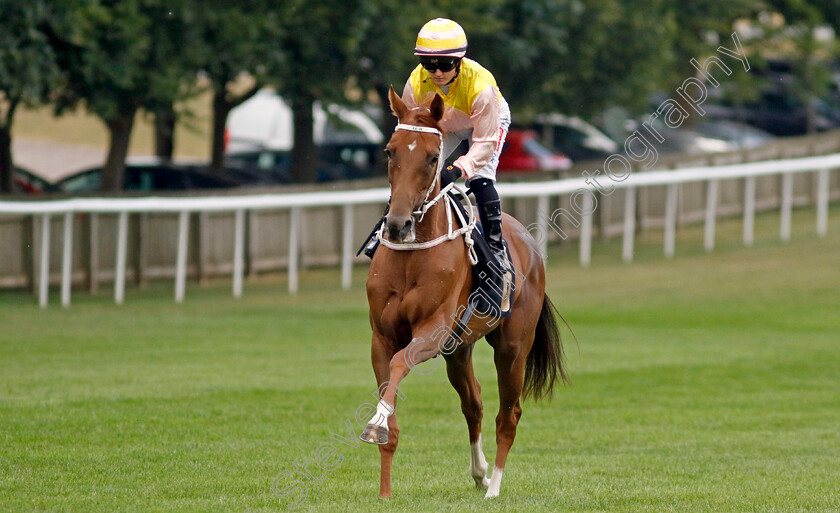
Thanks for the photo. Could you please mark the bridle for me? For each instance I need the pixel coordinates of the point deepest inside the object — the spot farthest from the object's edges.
(467, 225)
(424, 207)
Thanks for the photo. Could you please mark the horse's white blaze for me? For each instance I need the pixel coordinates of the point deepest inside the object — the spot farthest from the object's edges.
(495, 483)
(412, 146)
(478, 465)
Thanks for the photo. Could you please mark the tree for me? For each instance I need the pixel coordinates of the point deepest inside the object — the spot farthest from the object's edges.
(107, 53)
(28, 71)
(235, 40)
(577, 57)
(320, 42)
(175, 51)
(809, 56)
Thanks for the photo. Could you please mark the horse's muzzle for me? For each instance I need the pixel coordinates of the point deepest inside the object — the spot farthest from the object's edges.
(400, 229)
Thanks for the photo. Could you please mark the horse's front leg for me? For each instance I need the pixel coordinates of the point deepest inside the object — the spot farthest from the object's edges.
(424, 346)
(382, 350)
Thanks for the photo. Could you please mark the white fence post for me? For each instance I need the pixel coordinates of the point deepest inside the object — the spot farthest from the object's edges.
(749, 211)
(238, 252)
(44, 283)
(181, 266)
(67, 260)
(822, 202)
(542, 225)
(711, 215)
(347, 248)
(294, 242)
(670, 219)
(586, 230)
(122, 252)
(93, 262)
(787, 206)
(629, 224)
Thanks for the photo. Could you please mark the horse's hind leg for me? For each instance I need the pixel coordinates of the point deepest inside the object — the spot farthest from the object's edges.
(460, 371)
(510, 358)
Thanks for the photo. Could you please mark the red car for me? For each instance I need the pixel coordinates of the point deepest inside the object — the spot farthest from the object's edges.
(522, 152)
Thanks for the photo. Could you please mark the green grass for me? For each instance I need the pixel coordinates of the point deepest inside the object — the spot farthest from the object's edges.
(708, 382)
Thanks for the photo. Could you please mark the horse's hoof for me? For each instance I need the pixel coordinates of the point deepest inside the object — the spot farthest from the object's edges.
(489, 495)
(375, 435)
(481, 482)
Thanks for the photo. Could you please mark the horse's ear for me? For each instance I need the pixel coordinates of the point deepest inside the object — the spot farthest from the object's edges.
(437, 107)
(397, 105)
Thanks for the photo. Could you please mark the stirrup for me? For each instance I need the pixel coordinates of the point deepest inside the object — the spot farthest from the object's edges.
(507, 279)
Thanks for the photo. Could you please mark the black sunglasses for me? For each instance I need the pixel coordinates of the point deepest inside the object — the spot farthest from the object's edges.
(431, 64)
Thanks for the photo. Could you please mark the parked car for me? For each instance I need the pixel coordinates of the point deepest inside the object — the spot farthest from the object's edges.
(336, 161)
(27, 182)
(574, 137)
(702, 136)
(738, 135)
(523, 152)
(151, 174)
(776, 110)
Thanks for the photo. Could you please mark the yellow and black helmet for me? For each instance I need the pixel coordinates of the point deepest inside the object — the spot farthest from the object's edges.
(441, 38)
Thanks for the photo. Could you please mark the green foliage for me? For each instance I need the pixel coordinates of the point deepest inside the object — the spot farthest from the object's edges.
(120, 55)
(28, 71)
(232, 39)
(319, 42)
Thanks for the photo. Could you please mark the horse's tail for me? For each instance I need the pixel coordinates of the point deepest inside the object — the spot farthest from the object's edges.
(546, 359)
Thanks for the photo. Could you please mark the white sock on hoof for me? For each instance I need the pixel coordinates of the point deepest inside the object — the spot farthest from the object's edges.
(495, 483)
(478, 464)
(383, 411)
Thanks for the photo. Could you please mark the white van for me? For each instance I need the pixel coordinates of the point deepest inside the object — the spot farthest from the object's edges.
(264, 122)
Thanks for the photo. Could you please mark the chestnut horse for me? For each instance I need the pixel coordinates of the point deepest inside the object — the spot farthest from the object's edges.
(417, 298)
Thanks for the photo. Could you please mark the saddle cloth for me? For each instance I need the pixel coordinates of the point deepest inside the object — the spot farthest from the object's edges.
(486, 259)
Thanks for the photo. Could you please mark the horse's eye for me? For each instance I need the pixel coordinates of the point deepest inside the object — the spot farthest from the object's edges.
(433, 160)
(387, 153)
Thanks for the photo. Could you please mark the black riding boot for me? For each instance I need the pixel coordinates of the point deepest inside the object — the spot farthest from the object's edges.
(490, 211)
(370, 249)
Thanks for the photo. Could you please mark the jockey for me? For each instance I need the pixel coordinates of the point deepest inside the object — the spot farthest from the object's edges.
(475, 111)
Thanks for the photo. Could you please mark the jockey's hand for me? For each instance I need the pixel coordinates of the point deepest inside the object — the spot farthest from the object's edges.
(449, 175)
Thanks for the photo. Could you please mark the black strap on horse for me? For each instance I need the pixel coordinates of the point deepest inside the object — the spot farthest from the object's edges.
(375, 229)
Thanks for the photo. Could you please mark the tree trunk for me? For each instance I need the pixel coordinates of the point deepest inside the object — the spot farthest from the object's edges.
(7, 163)
(221, 109)
(165, 133)
(304, 153)
(222, 105)
(119, 131)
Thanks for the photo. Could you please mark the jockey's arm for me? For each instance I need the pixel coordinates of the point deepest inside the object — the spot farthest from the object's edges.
(485, 135)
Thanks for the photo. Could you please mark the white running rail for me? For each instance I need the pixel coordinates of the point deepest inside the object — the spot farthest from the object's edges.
(296, 202)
